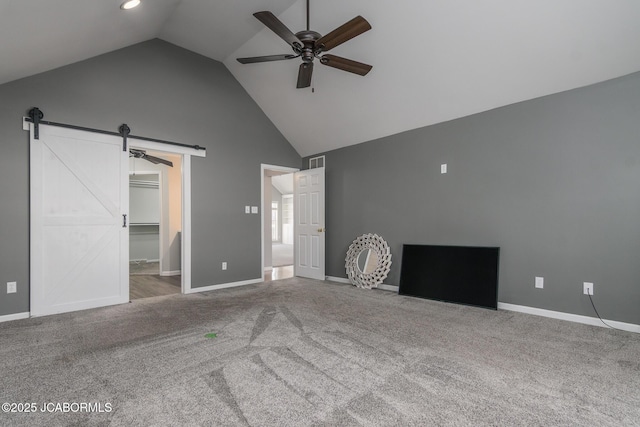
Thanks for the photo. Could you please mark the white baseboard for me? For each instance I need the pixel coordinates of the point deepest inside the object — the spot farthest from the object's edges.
(171, 273)
(223, 286)
(268, 269)
(338, 279)
(16, 316)
(382, 286)
(594, 321)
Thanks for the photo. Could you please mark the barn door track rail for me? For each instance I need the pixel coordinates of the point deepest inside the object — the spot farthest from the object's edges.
(36, 115)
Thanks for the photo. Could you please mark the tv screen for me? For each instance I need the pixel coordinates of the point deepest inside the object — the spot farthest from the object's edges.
(461, 274)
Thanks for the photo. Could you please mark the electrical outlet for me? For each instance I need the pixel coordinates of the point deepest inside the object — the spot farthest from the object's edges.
(11, 287)
(224, 265)
(539, 282)
(254, 209)
(587, 288)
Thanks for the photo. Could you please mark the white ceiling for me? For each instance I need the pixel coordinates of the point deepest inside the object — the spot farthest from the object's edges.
(432, 60)
(283, 183)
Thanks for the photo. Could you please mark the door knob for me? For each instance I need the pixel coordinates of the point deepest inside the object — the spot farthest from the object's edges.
(320, 230)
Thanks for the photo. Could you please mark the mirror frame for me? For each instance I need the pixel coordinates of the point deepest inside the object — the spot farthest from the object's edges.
(376, 277)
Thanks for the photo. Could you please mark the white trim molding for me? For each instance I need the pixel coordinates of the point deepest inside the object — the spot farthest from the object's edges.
(593, 321)
(338, 279)
(263, 168)
(171, 273)
(16, 316)
(383, 286)
(224, 285)
(186, 225)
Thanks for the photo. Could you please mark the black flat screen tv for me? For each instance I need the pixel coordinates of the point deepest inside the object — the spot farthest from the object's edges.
(460, 274)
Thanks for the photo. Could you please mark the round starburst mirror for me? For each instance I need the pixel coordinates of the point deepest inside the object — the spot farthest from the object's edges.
(368, 261)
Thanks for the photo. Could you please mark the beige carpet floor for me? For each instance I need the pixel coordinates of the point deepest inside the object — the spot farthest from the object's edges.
(300, 352)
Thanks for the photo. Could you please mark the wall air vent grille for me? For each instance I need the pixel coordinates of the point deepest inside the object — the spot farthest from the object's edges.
(316, 162)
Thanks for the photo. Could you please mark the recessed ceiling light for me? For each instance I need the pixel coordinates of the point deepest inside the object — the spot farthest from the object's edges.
(129, 4)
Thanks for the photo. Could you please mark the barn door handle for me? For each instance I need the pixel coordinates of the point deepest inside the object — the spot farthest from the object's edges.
(124, 220)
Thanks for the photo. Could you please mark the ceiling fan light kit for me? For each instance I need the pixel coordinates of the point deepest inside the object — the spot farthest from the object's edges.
(309, 45)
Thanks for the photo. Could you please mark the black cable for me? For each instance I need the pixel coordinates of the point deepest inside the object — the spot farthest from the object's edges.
(605, 323)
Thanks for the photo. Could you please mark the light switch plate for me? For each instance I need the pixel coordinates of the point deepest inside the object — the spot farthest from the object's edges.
(443, 168)
(11, 287)
(254, 209)
(539, 282)
(247, 209)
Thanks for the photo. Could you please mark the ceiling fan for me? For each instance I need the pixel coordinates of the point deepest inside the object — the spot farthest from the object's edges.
(141, 154)
(309, 44)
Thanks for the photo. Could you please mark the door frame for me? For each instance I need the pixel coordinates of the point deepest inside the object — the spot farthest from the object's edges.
(263, 169)
(186, 153)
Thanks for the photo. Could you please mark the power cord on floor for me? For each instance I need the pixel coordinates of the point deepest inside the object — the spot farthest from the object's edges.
(598, 314)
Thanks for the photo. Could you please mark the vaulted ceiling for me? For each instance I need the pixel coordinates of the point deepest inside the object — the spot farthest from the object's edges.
(433, 60)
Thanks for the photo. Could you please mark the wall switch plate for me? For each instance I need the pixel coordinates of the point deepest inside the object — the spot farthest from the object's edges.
(254, 209)
(443, 168)
(224, 265)
(539, 282)
(587, 288)
(247, 209)
(11, 287)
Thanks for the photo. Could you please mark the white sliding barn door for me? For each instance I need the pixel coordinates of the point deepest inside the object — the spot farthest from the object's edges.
(309, 223)
(79, 194)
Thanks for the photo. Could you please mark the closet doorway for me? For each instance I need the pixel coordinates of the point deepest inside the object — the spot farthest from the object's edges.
(155, 222)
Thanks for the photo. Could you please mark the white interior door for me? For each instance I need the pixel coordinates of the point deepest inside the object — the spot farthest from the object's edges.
(309, 224)
(79, 247)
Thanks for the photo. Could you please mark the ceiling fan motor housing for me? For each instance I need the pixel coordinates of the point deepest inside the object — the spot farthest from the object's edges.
(308, 38)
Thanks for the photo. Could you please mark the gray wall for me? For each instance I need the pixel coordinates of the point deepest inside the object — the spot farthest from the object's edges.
(554, 181)
(160, 91)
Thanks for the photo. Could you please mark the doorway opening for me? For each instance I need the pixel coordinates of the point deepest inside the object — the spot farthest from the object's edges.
(277, 222)
(155, 225)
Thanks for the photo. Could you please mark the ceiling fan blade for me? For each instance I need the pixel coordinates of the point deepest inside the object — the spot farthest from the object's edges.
(268, 58)
(156, 160)
(275, 25)
(304, 75)
(343, 33)
(346, 64)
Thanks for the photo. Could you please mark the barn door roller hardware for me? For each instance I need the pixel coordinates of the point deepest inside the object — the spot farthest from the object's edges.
(36, 116)
(124, 131)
